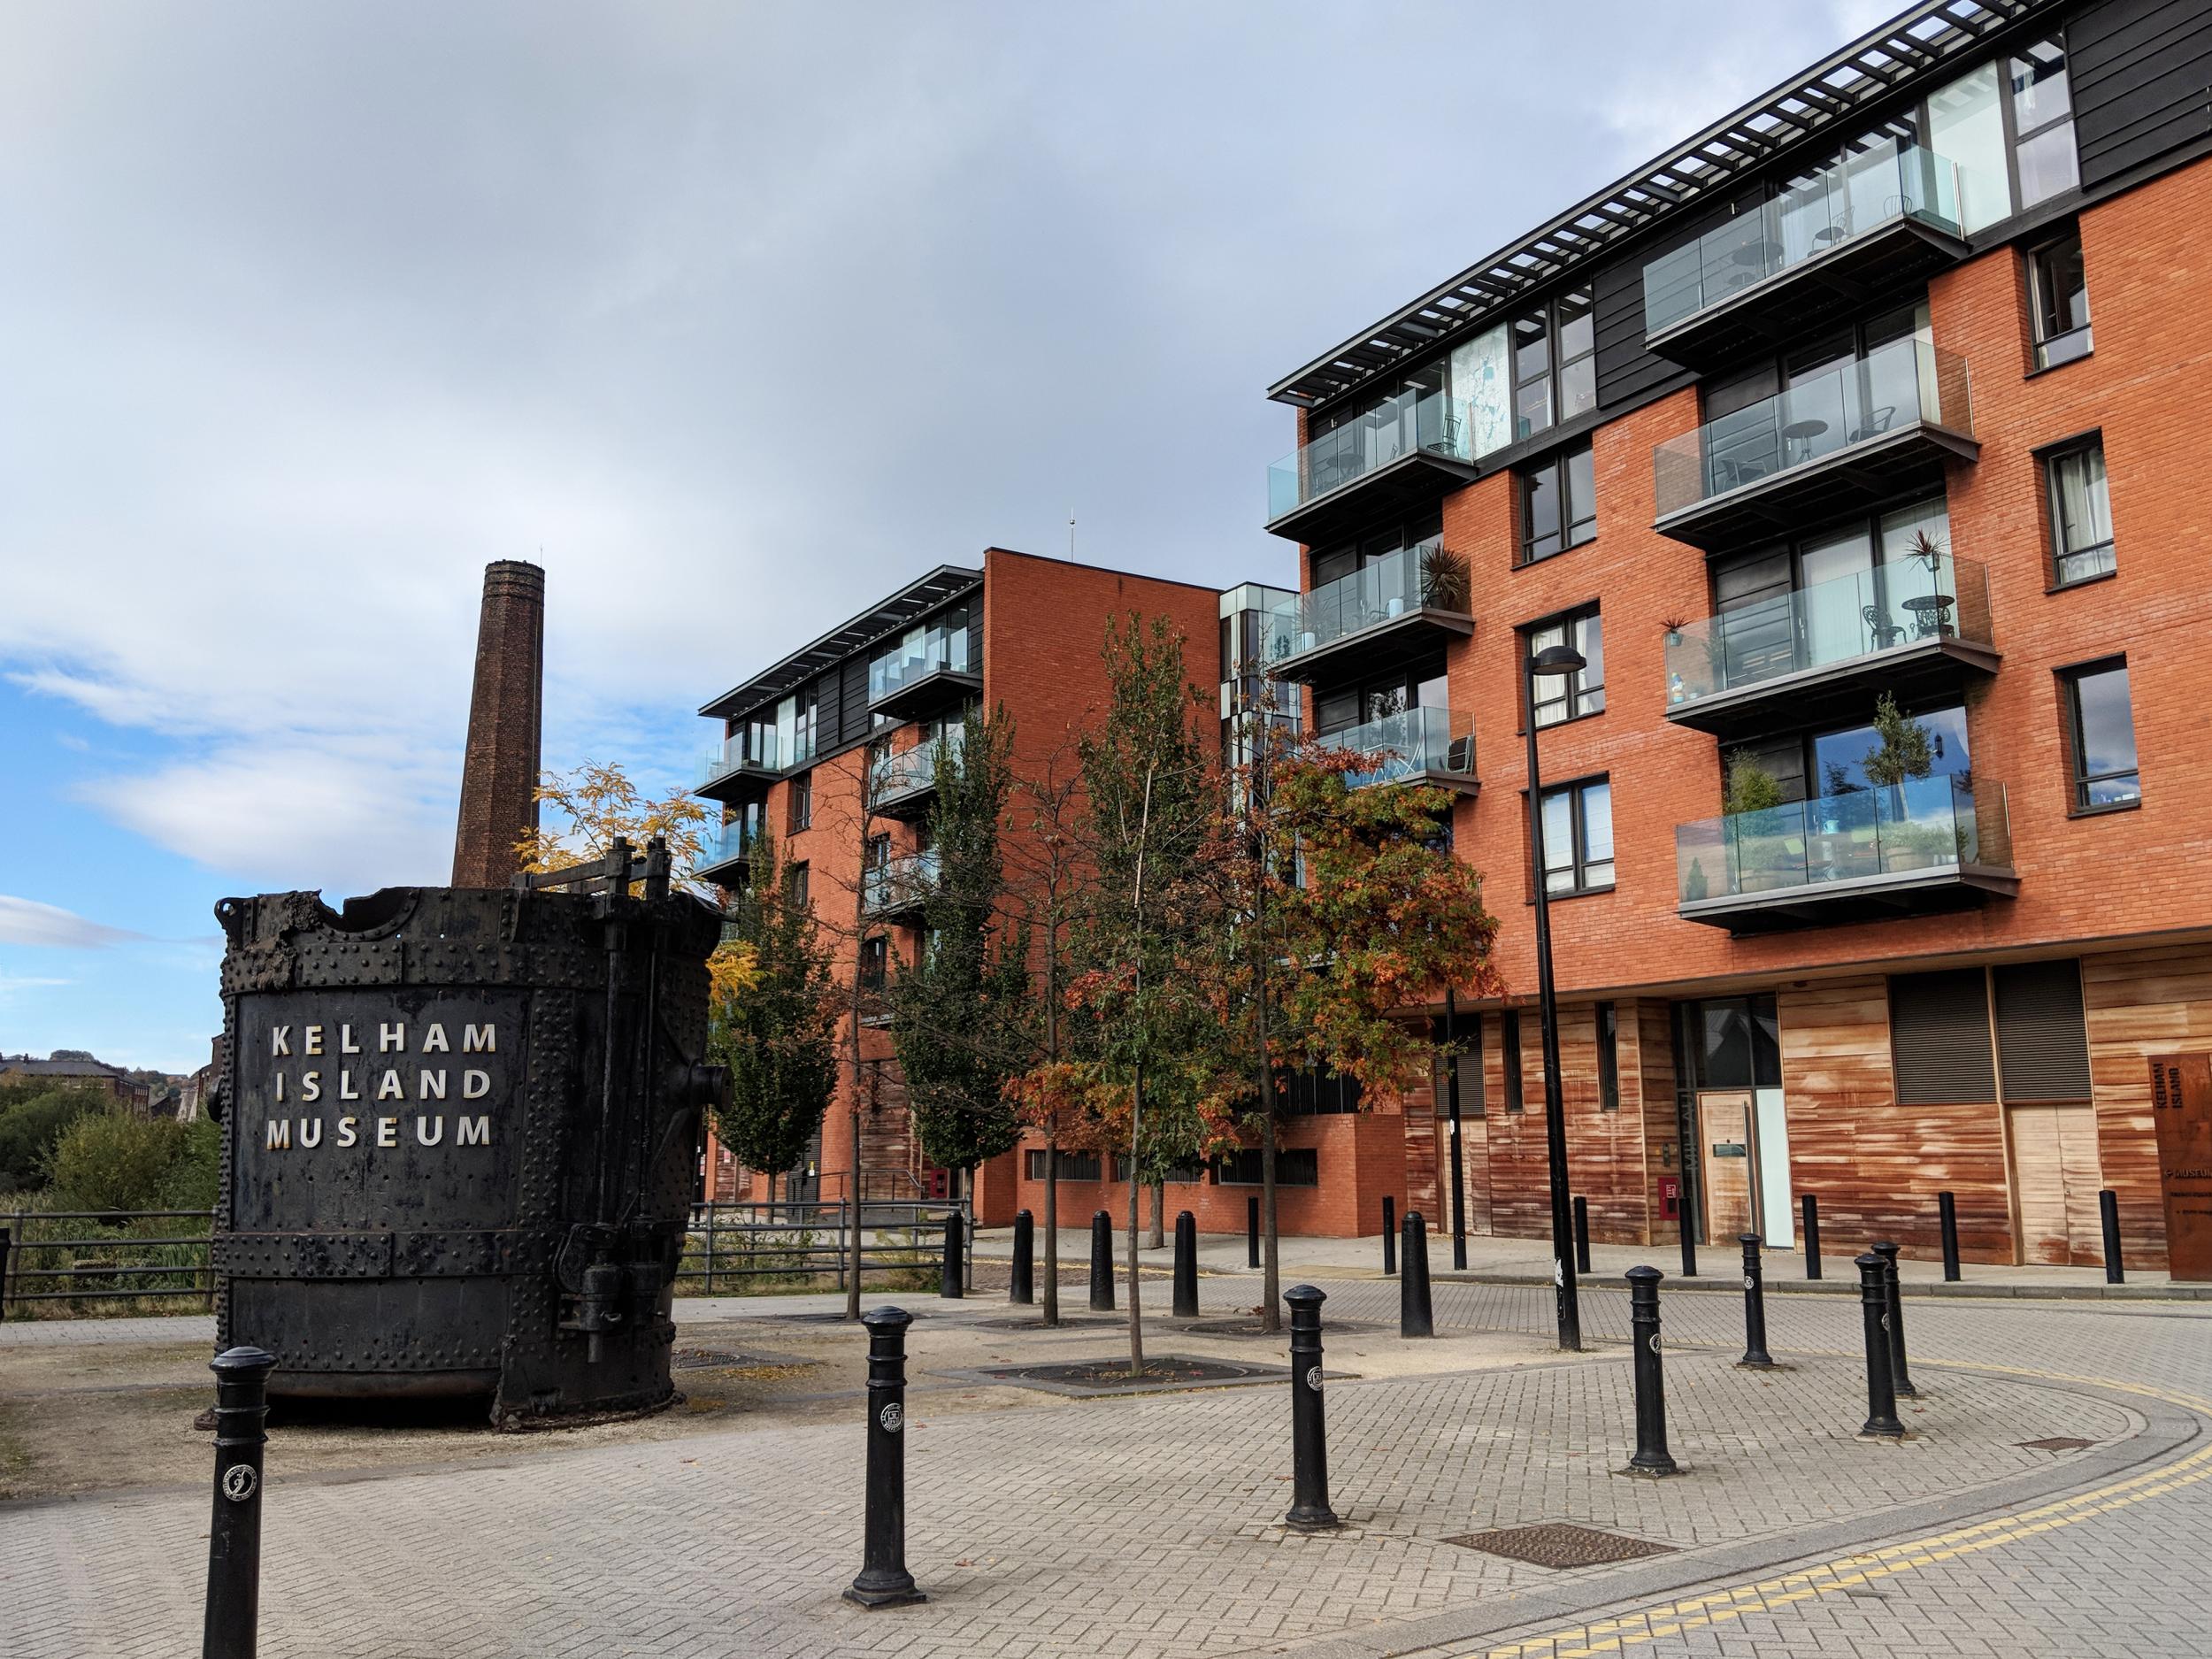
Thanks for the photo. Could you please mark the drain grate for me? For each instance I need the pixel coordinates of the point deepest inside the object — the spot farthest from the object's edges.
(704, 1358)
(2056, 1443)
(1560, 1544)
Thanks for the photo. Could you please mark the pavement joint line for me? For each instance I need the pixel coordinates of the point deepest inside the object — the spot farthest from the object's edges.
(1861, 1567)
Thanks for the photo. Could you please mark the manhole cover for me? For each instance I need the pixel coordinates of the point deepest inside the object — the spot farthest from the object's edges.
(1560, 1544)
(1253, 1327)
(1162, 1371)
(2056, 1443)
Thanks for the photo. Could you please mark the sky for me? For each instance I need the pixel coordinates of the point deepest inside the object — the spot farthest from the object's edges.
(734, 317)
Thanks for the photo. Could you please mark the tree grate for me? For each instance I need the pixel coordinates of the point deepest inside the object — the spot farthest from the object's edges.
(2055, 1443)
(1560, 1544)
(1161, 1373)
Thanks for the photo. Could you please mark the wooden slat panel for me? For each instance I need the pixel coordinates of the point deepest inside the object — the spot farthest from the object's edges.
(2039, 1184)
(1653, 1072)
(2139, 1003)
(1724, 1119)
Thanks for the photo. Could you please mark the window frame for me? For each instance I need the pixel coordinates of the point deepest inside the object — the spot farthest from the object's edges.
(799, 803)
(1578, 823)
(2078, 781)
(2040, 342)
(1509, 1057)
(1576, 691)
(1578, 520)
(2015, 136)
(2049, 459)
(1548, 313)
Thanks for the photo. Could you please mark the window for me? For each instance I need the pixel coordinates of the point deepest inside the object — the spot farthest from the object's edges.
(1558, 504)
(875, 960)
(1558, 697)
(1555, 364)
(2059, 294)
(801, 802)
(1579, 837)
(1467, 1068)
(1072, 1166)
(1608, 1059)
(2043, 123)
(1509, 1056)
(1939, 1038)
(2100, 731)
(1294, 1166)
(794, 885)
(1316, 1091)
(2081, 513)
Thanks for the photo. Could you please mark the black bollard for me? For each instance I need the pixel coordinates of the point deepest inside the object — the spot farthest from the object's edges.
(1812, 1236)
(1881, 1389)
(1252, 1231)
(1390, 1236)
(1582, 1234)
(1893, 1293)
(1754, 1307)
(234, 1535)
(1101, 1263)
(2108, 1206)
(884, 1580)
(1415, 1316)
(1309, 1511)
(1185, 1266)
(949, 1280)
(1024, 1289)
(7, 1238)
(1652, 1456)
(1947, 1219)
(1689, 1245)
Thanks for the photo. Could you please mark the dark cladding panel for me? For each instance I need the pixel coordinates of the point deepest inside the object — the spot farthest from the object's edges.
(1939, 1034)
(2142, 75)
(852, 701)
(1625, 369)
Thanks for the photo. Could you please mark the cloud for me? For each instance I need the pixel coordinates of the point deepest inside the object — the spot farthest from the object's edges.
(29, 922)
(22, 982)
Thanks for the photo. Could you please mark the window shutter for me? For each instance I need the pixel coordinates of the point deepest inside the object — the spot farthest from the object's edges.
(2042, 1044)
(1939, 1034)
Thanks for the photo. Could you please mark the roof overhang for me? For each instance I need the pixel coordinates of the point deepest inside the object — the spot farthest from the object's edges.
(887, 617)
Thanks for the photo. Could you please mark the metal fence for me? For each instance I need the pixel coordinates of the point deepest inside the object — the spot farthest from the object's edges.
(58, 1255)
(733, 1248)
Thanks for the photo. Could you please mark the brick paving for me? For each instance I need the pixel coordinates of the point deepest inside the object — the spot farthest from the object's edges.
(1147, 1526)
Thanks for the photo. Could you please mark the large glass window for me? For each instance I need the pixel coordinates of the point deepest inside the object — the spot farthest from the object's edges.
(799, 803)
(1554, 363)
(2058, 292)
(2081, 513)
(1966, 126)
(1558, 504)
(1559, 697)
(1579, 837)
(2043, 123)
(2102, 731)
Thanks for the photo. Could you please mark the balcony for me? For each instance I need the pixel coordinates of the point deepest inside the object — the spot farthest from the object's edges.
(902, 786)
(748, 761)
(1432, 746)
(899, 887)
(725, 855)
(1820, 655)
(1871, 221)
(930, 668)
(1401, 455)
(1926, 845)
(1833, 442)
(1404, 605)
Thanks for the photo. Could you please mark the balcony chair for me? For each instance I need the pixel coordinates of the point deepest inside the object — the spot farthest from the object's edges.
(1883, 632)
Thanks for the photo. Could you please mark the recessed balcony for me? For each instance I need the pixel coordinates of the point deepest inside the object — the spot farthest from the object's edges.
(1912, 627)
(1869, 223)
(749, 760)
(899, 888)
(1404, 605)
(1430, 746)
(931, 668)
(904, 784)
(725, 855)
(1401, 455)
(1834, 443)
(1923, 845)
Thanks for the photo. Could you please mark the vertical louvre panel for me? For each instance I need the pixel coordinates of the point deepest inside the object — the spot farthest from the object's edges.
(2042, 1044)
(1939, 1033)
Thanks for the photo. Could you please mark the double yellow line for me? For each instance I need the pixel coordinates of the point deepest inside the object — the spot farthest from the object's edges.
(1845, 1573)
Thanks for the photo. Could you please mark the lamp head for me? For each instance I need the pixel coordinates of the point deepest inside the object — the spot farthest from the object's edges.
(1556, 659)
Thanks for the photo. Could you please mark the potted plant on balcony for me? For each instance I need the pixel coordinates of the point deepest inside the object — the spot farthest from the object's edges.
(1446, 581)
(1904, 753)
(1764, 857)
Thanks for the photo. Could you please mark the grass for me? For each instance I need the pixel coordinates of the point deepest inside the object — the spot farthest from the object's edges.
(108, 1247)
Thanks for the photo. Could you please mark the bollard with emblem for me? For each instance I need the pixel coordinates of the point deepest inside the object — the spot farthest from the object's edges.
(1947, 1222)
(884, 1580)
(1812, 1236)
(1390, 1236)
(1024, 1289)
(1309, 1511)
(233, 1534)
(1881, 1389)
(1252, 1231)
(1101, 1263)
(1416, 1315)
(2107, 1208)
(1582, 1233)
(1755, 1357)
(1185, 1266)
(1893, 1295)
(1652, 1456)
(949, 1279)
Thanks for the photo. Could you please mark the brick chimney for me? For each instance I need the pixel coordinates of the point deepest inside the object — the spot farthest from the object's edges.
(500, 775)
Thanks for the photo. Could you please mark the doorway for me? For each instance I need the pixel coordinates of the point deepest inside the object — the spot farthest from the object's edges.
(1735, 1138)
(2055, 1175)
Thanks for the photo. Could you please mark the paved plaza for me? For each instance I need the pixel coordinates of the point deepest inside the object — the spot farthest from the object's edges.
(1150, 1525)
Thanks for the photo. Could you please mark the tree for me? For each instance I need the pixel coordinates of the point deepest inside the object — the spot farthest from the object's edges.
(959, 1014)
(779, 1036)
(33, 1118)
(1750, 786)
(112, 1160)
(1905, 752)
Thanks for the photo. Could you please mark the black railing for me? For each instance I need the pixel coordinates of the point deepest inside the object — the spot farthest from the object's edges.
(732, 1247)
(55, 1256)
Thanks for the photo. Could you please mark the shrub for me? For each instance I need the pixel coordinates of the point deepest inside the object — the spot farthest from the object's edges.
(111, 1160)
(31, 1119)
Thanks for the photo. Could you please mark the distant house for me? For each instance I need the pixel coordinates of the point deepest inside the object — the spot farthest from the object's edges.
(71, 1068)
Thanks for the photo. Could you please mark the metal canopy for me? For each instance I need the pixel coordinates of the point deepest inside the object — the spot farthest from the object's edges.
(1917, 42)
(909, 605)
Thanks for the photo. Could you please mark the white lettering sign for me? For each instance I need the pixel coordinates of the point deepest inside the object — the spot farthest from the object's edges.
(432, 1085)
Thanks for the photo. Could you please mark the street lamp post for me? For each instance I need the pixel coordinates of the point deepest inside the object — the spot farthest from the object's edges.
(1552, 661)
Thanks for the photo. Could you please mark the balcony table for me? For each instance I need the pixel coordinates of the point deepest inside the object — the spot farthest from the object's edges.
(1801, 432)
(1931, 614)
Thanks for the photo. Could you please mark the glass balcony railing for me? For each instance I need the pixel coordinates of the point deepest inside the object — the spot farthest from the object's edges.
(1921, 596)
(1921, 825)
(1905, 383)
(938, 648)
(1393, 586)
(1817, 214)
(911, 769)
(757, 749)
(1412, 420)
(898, 883)
(1402, 746)
(732, 841)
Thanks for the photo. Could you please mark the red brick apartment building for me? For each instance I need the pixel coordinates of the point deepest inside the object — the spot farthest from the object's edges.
(831, 750)
(1891, 383)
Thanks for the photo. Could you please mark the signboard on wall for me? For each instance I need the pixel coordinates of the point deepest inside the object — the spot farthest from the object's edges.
(2181, 1113)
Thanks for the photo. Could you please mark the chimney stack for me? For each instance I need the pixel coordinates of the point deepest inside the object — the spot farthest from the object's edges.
(499, 776)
